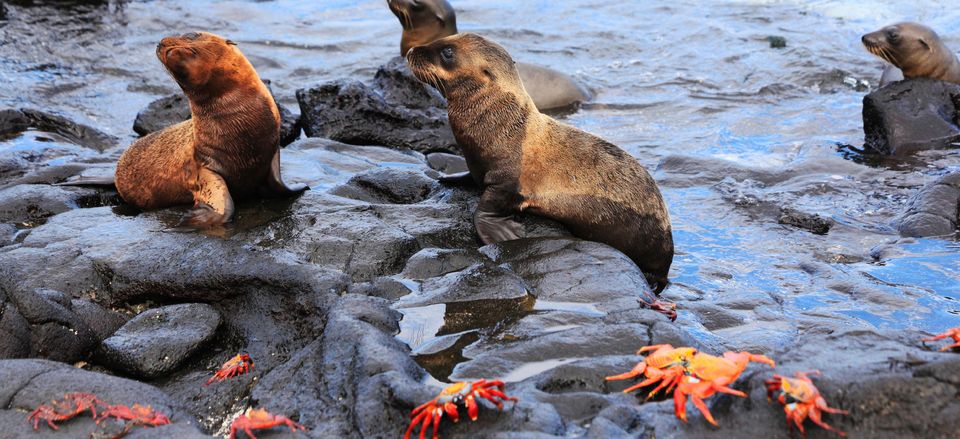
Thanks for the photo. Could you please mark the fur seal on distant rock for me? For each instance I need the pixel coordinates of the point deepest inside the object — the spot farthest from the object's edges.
(425, 21)
(528, 162)
(916, 50)
(228, 150)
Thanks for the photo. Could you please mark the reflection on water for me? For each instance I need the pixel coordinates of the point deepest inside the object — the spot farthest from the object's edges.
(678, 78)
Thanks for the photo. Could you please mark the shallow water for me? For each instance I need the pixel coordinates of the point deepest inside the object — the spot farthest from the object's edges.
(678, 78)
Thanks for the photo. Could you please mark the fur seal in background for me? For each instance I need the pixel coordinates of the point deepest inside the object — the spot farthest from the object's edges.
(526, 161)
(425, 21)
(228, 150)
(914, 49)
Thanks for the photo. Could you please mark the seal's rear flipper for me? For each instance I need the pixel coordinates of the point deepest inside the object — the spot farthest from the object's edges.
(276, 187)
(96, 182)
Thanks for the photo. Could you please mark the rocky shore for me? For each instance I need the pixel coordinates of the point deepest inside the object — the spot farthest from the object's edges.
(357, 299)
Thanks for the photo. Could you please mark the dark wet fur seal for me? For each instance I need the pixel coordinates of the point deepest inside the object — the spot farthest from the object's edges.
(916, 50)
(228, 150)
(425, 21)
(528, 162)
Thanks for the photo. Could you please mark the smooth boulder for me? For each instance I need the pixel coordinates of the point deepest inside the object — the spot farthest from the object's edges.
(909, 116)
(934, 210)
(397, 111)
(158, 340)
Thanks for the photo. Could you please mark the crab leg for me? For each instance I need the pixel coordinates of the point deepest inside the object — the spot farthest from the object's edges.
(703, 409)
(413, 423)
(815, 417)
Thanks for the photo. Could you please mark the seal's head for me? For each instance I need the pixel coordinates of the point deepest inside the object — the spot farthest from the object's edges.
(465, 64)
(423, 21)
(204, 63)
(912, 47)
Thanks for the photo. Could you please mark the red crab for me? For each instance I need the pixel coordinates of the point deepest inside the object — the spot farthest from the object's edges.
(665, 364)
(951, 333)
(260, 420)
(235, 366)
(707, 375)
(801, 399)
(72, 405)
(138, 415)
(449, 400)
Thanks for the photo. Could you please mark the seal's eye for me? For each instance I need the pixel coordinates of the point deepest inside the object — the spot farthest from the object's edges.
(447, 54)
(893, 36)
(190, 36)
(231, 43)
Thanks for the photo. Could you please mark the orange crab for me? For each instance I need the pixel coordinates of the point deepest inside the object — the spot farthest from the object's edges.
(951, 333)
(706, 375)
(235, 366)
(260, 419)
(465, 393)
(801, 399)
(138, 415)
(665, 364)
(72, 405)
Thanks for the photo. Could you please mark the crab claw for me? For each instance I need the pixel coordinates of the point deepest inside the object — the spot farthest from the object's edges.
(472, 408)
(668, 309)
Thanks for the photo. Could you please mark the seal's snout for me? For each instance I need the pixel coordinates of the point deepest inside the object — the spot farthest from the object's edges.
(870, 40)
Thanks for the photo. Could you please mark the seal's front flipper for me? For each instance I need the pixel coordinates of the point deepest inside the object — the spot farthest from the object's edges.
(275, 185)
(494, 218)
(497, 227)
(458, 179)
(212, 204)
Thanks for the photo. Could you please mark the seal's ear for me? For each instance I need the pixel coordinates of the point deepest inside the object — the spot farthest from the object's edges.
(489, 74)
(924, 44)
(230, 42)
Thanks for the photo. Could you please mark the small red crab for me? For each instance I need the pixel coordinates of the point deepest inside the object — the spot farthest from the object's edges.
(951, 333)
(138, 415)
(801, 399)
(665, 364)
(447, 402)
(72, 405)
(707, 375)
(260, 420)
(235, 366)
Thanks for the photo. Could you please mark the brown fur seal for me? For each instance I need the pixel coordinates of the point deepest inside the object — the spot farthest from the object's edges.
(916, 50)
(425, 21)
(527, 161)
(228, 149)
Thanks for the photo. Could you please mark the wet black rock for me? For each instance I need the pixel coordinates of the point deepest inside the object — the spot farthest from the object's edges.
(55, 331)
(13, 121)
(158, 340)
(102, 321)
(25, 384)
(389, 186)
(7, 234)
(162, 113)
(355, 113)
(935, 210)
(30, 204)
(400, 87)
(175, 108)
(810, 222)
(913, 115)
(777, 42)
(447, 163)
